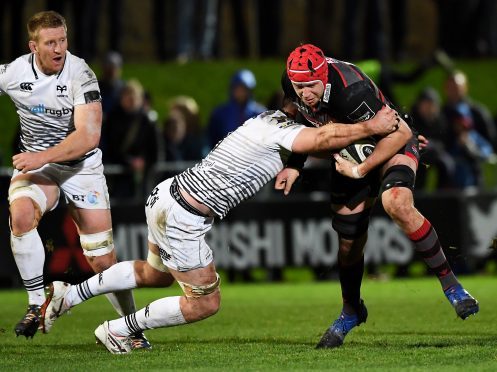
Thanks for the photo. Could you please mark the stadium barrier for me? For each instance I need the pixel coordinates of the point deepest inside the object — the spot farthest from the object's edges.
(272, 232)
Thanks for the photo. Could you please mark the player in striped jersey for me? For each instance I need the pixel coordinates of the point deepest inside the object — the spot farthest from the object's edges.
(58, 101)
(324, 89)
(181, 210)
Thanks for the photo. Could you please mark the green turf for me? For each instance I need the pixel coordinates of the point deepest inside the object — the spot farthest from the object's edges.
(261, 327)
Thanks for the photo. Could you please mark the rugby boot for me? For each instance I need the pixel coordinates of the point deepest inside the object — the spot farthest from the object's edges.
(139, 341)
(115, 344)
(29, 324)
(464, 304)
(54, 305)
(334, 336)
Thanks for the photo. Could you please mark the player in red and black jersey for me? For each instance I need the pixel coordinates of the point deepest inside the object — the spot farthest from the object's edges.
(326, 90)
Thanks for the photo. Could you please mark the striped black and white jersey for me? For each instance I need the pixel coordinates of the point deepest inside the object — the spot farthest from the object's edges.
(45, 103)
(241, 163)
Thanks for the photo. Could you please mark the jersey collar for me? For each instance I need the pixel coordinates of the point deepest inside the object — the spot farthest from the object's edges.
(36, 70)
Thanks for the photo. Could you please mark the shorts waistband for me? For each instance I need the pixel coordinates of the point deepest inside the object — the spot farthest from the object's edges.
(176, 194)
(74, 162)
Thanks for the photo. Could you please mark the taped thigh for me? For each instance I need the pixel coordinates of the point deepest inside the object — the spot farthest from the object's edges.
(98, 244)
(197, 291)
(155, 261)
(398, 176)
(26, 188)
(351, 226)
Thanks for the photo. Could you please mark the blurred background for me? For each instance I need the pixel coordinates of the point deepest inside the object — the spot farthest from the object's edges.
(177, 75)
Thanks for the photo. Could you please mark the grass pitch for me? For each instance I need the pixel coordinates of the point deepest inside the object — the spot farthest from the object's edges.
(411, 326)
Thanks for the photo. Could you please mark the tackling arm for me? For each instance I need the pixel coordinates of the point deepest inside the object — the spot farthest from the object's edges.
(336, 136)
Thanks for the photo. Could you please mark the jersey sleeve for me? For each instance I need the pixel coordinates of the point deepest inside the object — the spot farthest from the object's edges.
(272, 129)
(85, 86)
(359, 103)
(3, 78)
(280, 130)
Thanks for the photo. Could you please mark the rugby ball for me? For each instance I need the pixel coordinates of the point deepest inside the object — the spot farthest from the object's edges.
(358, 151)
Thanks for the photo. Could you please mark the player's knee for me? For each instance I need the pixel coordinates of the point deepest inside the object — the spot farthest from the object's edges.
(396, 206)
(99, 247)
(398, 176)
(351, 226)
(344, 248)
(22, 223)
(205, 299)
(27, 189)
(27, 205)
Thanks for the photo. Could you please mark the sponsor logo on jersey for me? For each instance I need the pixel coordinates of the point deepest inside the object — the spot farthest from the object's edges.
(41, 109)
(88, 74)
(3, 69)
(327, 91)
(90, 198)
(61, 89)
(164, 255)
(362, 113)
(26, 87)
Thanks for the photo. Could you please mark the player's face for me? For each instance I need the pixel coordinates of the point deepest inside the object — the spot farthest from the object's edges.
(310, 93)
(50, 49)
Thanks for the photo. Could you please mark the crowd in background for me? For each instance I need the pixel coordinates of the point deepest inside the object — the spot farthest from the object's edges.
(462, 133)
(192, 29)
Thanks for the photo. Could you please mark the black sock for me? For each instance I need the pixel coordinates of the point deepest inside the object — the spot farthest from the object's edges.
(350, 281)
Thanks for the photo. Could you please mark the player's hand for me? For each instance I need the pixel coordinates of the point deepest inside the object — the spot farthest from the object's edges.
(285, 179)
(347, 168)
(423, 142)
(26, 161)
(385, 121)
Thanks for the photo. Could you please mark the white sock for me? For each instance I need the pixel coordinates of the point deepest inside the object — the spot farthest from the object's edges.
(164, 312)
(29, 255)
(118, 277)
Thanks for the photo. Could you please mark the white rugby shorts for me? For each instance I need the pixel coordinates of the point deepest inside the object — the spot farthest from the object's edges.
(82, 184)
(179, 234)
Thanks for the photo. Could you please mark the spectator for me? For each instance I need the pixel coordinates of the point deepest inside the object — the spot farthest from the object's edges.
(182, 132)
(468, 147)
(427, 118)
(456, 90)
(240, 107)
(110, 82)
(130, 140)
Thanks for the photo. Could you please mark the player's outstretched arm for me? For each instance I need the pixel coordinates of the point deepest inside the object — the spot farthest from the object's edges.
(336, 136)
(88, 124)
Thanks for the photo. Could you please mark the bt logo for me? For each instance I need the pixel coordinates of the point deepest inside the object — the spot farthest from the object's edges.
(90, 198)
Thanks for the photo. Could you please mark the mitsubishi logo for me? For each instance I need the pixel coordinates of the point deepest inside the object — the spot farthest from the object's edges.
(61, 88)
(26, 86)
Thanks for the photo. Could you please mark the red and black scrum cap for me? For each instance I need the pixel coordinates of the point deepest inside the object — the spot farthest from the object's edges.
(307, 63)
